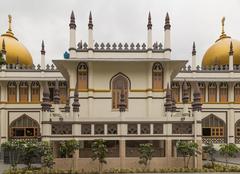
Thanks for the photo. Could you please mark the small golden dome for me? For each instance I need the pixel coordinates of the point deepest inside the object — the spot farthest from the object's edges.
(16, 52)
(218, 53)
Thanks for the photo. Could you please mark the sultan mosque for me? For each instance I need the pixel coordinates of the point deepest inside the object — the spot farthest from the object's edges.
(124, 93)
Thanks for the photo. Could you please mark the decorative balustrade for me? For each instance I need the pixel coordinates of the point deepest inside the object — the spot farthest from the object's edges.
(120, 47)
(210, 68)
(213, 140)
(19, 67)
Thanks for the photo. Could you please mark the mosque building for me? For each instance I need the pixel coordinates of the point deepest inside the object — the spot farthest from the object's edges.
(124, 93)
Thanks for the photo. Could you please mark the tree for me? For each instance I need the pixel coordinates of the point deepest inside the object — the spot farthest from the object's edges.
(32, 149)
(14, 149)
(187, 149)
(67, 148)
(228, 150)
(47, 155)
(99, 150)
(210, 150)
(146, 152)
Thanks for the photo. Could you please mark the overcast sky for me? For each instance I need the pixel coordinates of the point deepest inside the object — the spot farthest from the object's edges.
(120, 21)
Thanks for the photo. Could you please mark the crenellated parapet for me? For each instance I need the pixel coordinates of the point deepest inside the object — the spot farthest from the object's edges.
(119, 47)
(216, 68)
(22, 67)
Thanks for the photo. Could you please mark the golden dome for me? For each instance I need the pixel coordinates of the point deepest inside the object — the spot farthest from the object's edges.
(16, 52)
(218, 53)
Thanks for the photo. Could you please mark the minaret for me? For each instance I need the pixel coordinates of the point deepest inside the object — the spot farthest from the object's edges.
(168, 104)
(43, 56)
(72, 41)
(90, 32)
(167, 37)
(194, 57)
(46, 110)
(185, 98)
(196, 110)
(56, 98)
(231, 57)
(149, 35)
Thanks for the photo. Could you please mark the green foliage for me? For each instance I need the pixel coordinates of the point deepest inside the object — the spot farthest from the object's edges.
(210, 150)
(188, 149)
(228, 150)
(99, 150)
(14, 149)
(28, 149)
(146, 152)
(67, 148)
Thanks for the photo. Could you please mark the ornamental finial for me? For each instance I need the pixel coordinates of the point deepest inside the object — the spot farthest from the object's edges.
(194, 49)
(90, 23)
(149, 25)
(9, 23)
(223, 23)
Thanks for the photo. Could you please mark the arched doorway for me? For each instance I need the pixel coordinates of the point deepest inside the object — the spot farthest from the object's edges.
(213, 130)
(24, 127)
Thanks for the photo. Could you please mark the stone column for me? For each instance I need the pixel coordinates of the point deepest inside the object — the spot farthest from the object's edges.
(122, 153)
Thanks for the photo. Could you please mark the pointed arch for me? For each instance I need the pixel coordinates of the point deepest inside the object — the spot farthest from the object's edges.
(223, 92)
(237, 93)
(213, 126)
(212, 92)
(82, 76)
(24, 127)
(35, 91)
(12, 92)
(119, 84)
(157, 76)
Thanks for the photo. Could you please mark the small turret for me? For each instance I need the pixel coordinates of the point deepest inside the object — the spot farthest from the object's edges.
(122, 105)
(185, 96)
(46, 105)
(168, 104)
(56, 97)
(167, 37)
(231, 57)
(76, 104)
(72, 24)
(196, 104)
(194, 57)
(90, 23)
(167, 25)
(67, 106)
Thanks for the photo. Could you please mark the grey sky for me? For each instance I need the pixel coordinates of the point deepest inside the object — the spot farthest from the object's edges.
(120, 21)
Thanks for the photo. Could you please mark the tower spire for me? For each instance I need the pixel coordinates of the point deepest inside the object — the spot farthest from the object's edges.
(167, 25)
(43, 48)
(194, 49)
(72, 24)
(231, 49)
(149, 25)
(3, 47)
(90, 23)
(9, 23)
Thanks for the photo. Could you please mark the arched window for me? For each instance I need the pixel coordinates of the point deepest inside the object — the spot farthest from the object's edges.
(213, 126)
(82, 76)
(63, 91)
(157, 76)
(223, 92)
(119, 85)
(24, 127)
(12, 92)
(23, 92)
(35, 92)
(202, 89)
(175, 91)
(212, 92)
(237, 93)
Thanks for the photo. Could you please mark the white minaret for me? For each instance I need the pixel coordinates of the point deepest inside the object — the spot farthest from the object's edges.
(167, 37)
(193, 57)
(149, 34)
(43, 56)
(72, 40)
(90, 32)
(231, 57)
